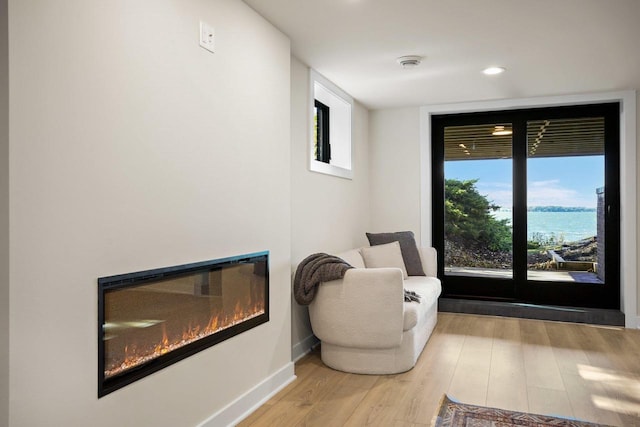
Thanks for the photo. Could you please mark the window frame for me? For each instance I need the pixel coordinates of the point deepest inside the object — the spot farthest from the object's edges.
(628, 168)
(322, 136)
(344, 135)
(519, 288)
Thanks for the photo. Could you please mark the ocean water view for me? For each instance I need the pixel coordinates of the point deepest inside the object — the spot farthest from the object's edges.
(566, 226)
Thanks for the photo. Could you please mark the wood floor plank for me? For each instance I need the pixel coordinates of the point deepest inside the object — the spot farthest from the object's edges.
(257, 415)
(327, 413)
(442, 350)
(406, 424)
(595, 348)
(581, 371)
(613, 365)
(507, 387)
(380, 404)
(566, 348)
(547, 401)
(471, 377)
(299, 399)
(621, 392)
(540, 363)
(580, 393)
(432, 375)
(614, 338)
(507, 329)
(632, 342)
(424, 396)
(361, 381)
(303, 369)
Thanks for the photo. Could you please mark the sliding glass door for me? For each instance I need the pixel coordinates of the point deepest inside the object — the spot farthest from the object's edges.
(525, 205)
(565, 180)
(477, 231)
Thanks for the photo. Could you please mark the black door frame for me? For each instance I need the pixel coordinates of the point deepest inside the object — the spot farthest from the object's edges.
(518, 288)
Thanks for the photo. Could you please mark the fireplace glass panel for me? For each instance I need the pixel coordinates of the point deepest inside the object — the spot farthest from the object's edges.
(165, 316)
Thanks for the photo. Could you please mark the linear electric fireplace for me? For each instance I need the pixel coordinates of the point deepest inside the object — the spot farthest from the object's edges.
(151, 319)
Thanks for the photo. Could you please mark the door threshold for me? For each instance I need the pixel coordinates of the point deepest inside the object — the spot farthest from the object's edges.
(593, 316)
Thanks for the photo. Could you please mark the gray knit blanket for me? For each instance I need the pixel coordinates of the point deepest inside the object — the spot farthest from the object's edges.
(313, 270)
(321, 267)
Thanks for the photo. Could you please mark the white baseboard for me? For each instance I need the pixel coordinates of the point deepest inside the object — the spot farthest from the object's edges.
(244, 405)
(303, 347)
(632, 321)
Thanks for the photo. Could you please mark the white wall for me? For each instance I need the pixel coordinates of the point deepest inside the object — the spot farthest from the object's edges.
(328, 214)
(638, 199)
(395, 163)
(133, 148)
(4, 215)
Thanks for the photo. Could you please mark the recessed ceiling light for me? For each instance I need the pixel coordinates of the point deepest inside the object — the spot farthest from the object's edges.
(500, 130)
(493, 70)
(409, 61)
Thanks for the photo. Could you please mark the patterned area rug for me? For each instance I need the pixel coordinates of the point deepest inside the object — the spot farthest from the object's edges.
(454, 414)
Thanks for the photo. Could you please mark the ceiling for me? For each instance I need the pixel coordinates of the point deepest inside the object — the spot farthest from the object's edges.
(545, 138)
(549, 47)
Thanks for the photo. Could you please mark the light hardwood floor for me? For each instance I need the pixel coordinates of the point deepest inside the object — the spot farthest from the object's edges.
(587, 372)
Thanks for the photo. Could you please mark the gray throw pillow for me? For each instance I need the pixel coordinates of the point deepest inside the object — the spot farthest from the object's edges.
(408, 247)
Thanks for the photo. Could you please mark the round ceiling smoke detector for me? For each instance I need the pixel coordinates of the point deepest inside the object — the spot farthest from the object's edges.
(410, 61)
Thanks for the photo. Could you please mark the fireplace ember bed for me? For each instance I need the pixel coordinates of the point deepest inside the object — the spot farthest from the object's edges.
(151, 319)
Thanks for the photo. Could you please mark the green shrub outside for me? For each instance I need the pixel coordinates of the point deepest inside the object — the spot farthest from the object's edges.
(468, 217)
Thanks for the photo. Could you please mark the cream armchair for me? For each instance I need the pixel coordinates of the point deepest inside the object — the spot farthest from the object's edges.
(363, 322)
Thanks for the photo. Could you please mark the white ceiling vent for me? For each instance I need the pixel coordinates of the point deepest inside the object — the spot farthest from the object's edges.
(410, 61)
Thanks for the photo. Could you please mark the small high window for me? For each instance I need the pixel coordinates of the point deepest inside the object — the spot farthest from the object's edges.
(330, 148)
(322, 144)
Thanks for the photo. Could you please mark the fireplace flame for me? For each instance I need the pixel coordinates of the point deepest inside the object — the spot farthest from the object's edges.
(135, 356)
(163, 346)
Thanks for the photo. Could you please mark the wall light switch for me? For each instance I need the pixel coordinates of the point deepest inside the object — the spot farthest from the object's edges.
(207, 40)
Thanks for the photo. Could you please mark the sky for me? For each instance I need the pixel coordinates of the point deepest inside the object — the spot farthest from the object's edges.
(554, 181)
